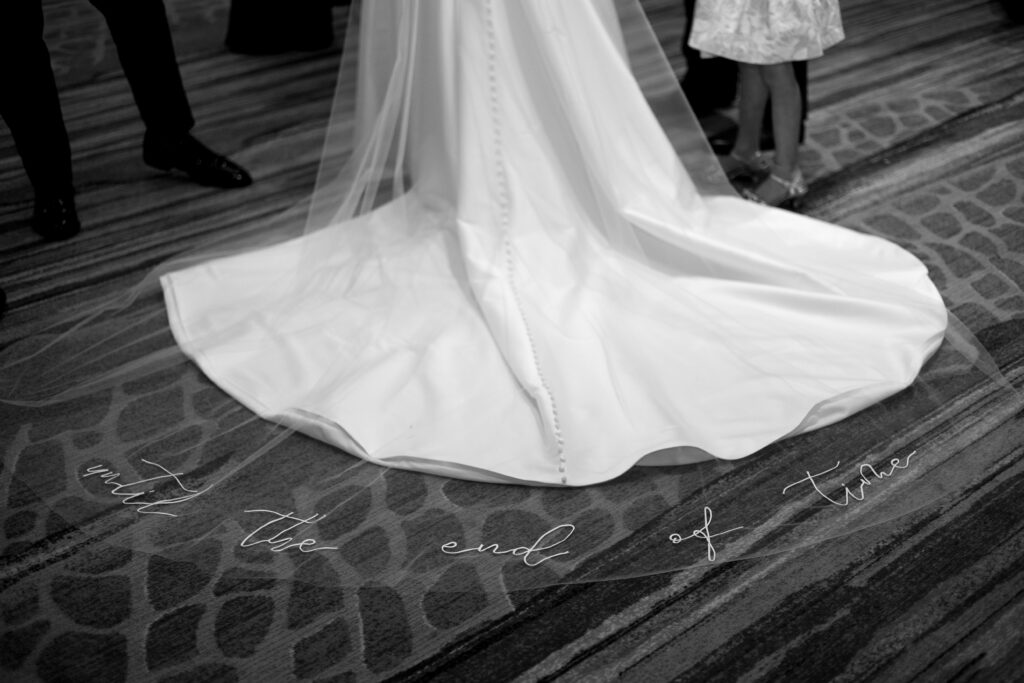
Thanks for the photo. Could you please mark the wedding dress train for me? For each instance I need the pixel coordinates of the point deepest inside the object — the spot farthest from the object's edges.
(524, 283)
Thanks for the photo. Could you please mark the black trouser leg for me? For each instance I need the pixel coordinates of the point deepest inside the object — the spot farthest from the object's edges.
(800, 69)
(709, 83)
(143, 39)
(271, 26)
(29, 102)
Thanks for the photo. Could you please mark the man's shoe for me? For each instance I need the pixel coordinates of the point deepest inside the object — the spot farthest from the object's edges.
(722, 142)
(191, 157)
(55, 218)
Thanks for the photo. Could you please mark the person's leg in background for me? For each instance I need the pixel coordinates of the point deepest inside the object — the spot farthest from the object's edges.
(263, 27)
(708, 84)
(800, 71)
(30, 107)
(146, 52)
(711, 83)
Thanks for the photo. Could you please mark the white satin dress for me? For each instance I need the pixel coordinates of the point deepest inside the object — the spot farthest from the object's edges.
(553, 301)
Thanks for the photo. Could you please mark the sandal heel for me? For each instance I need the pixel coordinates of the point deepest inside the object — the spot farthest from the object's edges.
(795, 188)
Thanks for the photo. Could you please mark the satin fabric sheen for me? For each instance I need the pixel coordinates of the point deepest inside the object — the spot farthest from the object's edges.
(552, 301)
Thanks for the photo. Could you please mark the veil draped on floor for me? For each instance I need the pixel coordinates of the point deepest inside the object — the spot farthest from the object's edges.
(521, 273)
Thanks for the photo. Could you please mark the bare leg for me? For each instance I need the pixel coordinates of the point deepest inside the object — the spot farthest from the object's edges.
(784, 93)
(752, 102)
(753, 99)
(786, 113)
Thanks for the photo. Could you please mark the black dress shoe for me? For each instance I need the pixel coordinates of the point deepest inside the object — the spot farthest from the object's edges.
(191, 157)
(723, 141)
(55, 218)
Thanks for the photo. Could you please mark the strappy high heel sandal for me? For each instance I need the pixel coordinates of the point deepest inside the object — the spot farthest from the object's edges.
(795, 188)
(755, 165)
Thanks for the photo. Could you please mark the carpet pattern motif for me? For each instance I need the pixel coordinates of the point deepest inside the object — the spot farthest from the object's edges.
(914, 135)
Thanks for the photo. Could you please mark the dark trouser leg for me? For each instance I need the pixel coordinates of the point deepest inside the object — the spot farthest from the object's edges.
(262, 27)
(1014, 10)
(143, 39)
(800, 69)
(709, 83)
(29, 102)
(144, 45)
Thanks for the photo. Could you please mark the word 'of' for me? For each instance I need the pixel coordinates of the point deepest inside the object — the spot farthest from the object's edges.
(704, 533)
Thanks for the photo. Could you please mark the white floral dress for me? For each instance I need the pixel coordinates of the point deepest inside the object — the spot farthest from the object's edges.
(766, 31)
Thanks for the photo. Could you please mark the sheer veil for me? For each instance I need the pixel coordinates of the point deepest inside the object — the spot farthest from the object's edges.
(116, 431)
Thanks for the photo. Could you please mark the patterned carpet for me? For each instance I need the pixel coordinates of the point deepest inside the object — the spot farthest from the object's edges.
(915, 135)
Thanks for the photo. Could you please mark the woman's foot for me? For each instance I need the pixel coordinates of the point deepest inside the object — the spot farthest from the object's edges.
(779, 189)
(736, 164)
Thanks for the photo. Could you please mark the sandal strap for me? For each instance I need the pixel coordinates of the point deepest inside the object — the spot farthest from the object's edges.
(758, 160)
(795, 186)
